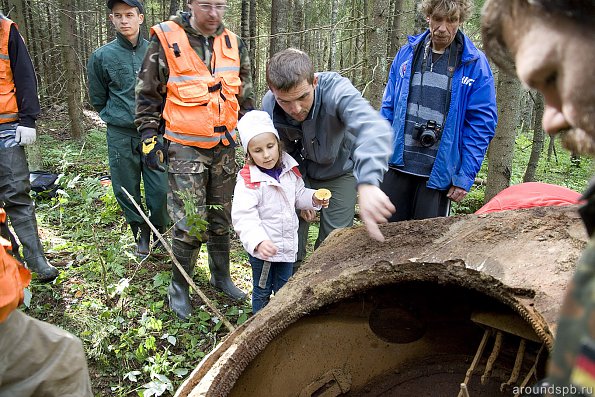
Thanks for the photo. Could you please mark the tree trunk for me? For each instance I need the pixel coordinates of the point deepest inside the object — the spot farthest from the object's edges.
(245, 19)
(71, 70)
(359, 48)
(396, 33)
(174, 6)
(419, 20)
(20, 15)
(252, 45)
(47, 70)
(33, 43)
(296, 40)
(17, 14)
(332, 59)
(502, 147)
(109, 27)
(538, 138)
(376, 38)
(279, 15)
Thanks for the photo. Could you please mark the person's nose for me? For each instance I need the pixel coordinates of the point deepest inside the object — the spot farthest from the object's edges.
(294, 108)
(213, 11)
(554, 120)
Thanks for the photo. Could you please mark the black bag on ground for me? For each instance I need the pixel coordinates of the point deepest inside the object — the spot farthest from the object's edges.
(44, 183)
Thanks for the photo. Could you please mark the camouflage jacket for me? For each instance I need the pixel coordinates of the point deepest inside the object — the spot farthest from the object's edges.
(154, 74)
(572, 366)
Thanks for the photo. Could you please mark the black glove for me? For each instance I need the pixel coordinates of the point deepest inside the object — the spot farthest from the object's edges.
(153, 152)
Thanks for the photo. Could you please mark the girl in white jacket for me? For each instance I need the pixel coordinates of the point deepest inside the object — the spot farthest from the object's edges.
(268, 190)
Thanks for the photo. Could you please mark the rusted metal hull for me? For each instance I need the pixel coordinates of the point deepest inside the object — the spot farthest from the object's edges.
(440, 302)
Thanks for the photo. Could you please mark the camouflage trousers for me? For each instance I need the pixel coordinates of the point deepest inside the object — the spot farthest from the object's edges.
(572, 364)
(202, 181)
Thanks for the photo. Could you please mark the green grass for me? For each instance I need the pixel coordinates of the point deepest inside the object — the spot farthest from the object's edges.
(559, 170)
(118, 305)
(115, 303)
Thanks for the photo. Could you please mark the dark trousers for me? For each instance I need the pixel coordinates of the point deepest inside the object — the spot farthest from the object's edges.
(412, 198)
(15, 185)
(127, 168)
(278, 276)
(339, 213)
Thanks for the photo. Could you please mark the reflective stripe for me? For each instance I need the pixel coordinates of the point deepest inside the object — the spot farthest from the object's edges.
(2, 56)
(164, 27)
(185, 122)
(195, 138)
(8, 115)
(226, 69)
(177, 79)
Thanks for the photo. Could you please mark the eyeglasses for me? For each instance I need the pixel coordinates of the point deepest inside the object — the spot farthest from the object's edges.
(206, 7)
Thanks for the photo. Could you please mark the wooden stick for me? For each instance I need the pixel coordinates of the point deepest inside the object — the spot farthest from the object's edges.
(492, 358)
(531, 372)
(167, 247)
(516, 370)
(478, 353)
(463, 390)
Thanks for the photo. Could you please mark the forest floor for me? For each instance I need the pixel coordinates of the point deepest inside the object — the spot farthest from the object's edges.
(116, 303)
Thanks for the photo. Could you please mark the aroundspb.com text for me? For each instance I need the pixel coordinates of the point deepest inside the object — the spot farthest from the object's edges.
(547, 389)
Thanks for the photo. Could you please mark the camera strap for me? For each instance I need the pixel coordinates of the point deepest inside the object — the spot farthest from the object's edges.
(450, 70)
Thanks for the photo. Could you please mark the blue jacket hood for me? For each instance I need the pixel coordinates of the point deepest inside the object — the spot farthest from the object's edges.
(470, 52)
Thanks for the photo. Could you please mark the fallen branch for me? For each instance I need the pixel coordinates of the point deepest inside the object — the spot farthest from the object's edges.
(167, 247)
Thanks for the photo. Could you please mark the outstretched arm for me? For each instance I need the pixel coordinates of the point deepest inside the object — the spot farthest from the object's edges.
(374, 208)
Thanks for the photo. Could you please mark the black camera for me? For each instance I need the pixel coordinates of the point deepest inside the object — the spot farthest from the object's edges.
(427, 134)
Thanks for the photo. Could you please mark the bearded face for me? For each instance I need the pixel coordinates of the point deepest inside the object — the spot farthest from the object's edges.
(554, 55)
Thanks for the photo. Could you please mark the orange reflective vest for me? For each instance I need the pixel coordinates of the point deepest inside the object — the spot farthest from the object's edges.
(14, 277)
(201, 108)
(9, 110)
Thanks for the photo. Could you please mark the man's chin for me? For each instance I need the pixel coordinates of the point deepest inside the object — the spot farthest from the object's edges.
(579, 142)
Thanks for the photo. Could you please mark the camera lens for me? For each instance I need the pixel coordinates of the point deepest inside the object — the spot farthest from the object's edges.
(427, 138)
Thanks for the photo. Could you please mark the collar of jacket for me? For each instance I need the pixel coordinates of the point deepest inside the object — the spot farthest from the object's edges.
(288, 163)
(123, 41)
(469, 53)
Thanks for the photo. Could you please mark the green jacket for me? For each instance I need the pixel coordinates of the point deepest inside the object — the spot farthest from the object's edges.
(111, 72)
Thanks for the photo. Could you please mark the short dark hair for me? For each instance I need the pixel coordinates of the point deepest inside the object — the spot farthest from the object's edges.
(289, 67)
(581, 12)
(448, 7)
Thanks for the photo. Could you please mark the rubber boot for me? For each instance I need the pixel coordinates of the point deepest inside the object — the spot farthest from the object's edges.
(157, 244)
(143, 240)
(26, 230)
(178, 290)
(218, 249)
(14, 245)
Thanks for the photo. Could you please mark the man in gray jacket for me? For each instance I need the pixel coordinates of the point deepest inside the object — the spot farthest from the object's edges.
(340, 141)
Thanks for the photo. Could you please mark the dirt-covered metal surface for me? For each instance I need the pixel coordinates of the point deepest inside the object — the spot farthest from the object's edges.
(330, 330)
